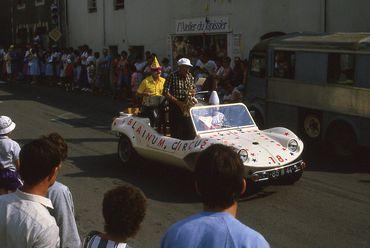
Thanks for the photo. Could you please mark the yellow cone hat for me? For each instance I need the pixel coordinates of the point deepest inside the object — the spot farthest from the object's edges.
(155, 65)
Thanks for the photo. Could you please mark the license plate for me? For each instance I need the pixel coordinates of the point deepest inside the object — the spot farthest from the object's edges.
(278, 172)
(281, 172)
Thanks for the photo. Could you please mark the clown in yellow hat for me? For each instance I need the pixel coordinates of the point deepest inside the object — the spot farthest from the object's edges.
(155, 66)
(150, 89)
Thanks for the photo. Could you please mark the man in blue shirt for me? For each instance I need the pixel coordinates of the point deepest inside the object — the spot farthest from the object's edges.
(219, 180)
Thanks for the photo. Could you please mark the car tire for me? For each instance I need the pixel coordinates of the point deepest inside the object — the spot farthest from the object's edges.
(126, 152)
(291, 179)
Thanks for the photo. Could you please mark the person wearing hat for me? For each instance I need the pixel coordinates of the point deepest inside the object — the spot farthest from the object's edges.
(8, 62)
(178, 86)
(151, 86)
(9, 157)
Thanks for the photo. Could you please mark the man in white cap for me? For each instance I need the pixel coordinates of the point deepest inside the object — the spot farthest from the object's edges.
(177, 87)
(9, 157)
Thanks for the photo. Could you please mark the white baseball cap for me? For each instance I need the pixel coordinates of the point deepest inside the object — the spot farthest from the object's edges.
(184, 61)
(6, 125)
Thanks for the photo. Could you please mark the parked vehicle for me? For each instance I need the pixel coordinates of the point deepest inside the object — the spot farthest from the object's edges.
(317, 85)
(267, 154)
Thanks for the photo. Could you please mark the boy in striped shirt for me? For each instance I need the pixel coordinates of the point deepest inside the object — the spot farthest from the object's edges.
(123, 210)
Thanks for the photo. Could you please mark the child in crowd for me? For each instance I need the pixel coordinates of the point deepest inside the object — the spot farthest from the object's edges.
(9, 157)
(136, 79)
(123, 210)
(91, 74)
(63, 65)
(76, 70)
(123, 83)
(34, 66)
(69, 70)
(49, 72)
(96, 83)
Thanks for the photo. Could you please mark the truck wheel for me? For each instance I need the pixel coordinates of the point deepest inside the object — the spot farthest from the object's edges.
(126, 153)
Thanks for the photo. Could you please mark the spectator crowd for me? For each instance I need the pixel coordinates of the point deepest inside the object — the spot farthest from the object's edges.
(118, 75)
(37, 211)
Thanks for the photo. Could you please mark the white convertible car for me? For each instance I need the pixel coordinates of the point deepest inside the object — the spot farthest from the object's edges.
(267, 154)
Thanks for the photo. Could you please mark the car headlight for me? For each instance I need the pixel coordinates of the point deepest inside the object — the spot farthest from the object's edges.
(293, 145)
(243, 155)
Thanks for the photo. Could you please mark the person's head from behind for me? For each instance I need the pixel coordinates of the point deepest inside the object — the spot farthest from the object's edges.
(123, 211)
(39, 162)
(59, 142)
(219, 177)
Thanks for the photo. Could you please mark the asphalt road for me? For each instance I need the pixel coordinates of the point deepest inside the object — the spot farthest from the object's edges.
(328, 207)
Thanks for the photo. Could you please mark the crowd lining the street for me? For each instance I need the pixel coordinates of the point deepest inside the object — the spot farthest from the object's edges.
(118, 75)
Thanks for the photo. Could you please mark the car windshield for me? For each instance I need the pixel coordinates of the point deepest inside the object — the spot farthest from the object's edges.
(220, 117)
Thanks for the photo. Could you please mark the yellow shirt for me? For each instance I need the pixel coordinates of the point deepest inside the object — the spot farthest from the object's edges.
(148, 85)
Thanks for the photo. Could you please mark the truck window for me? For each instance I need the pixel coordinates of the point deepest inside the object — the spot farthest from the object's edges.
(341, 68)
(258, 65)
(284, 64)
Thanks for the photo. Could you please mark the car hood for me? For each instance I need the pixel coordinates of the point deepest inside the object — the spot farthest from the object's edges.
(264, 149)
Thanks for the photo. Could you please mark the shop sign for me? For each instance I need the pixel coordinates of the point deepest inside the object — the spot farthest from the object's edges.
(55, 34)
(208, 24)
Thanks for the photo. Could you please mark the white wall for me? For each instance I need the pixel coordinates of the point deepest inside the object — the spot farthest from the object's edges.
(348, 16)
(149, 22)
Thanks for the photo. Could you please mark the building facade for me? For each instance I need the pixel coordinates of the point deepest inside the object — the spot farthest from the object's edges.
(172, 28)
(40, 21)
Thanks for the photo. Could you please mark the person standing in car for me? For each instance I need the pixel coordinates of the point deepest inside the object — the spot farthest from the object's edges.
(178, 86)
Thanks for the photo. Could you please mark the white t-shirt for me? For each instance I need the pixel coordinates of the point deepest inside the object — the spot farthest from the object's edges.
(26, 221)
(9, 153)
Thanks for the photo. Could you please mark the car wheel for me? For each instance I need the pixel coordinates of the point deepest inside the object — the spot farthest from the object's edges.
(291, 179)
(126, 153)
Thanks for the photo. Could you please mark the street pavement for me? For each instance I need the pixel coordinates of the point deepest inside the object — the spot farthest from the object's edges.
(328, 207)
